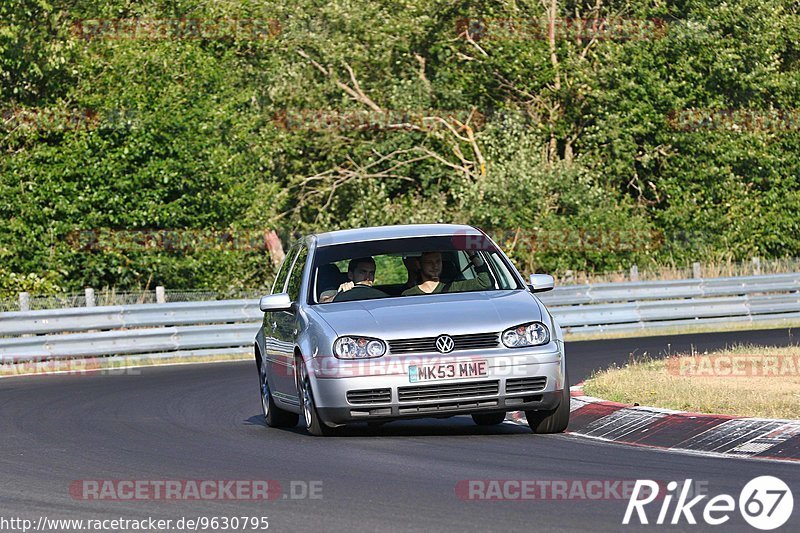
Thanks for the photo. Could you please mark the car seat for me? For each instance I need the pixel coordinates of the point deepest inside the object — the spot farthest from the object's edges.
(329, 277)
(451, 272)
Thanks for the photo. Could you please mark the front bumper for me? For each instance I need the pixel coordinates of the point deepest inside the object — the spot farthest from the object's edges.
(344, 415)
(381, 389)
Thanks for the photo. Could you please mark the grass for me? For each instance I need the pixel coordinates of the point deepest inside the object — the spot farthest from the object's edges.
(682, 330)
(704, 383)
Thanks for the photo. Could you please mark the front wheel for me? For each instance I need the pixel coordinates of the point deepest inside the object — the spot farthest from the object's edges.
(314, 424)
(488, 419)
(553, 420)
(274, 416)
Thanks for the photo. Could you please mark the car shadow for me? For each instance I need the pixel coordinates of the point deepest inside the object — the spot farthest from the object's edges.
(258, 420)
(457, 426)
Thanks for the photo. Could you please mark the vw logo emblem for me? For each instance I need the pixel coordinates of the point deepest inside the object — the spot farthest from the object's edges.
(444, 343)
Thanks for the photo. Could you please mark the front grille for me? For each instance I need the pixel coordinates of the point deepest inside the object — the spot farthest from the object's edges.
(448, 392)
(525, 384)
(369, 396)
(451, 406)
(461, 342)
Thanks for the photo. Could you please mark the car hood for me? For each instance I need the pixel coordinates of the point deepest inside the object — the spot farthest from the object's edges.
(431, 315)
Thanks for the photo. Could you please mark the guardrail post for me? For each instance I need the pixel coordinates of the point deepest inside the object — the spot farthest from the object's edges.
(160, 296)
(90, 297)
(756, 265)
(634, 273)
(696, 270)
(24, 301)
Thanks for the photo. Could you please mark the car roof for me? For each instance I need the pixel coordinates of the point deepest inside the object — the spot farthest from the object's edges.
(401, 231)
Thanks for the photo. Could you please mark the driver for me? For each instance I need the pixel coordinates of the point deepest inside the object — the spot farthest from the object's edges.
(361, 273)
(430, 268)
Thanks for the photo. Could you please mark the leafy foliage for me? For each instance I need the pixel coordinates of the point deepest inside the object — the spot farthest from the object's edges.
(567, 151)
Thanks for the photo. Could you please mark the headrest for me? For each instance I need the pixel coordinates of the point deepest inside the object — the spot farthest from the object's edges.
(329, 277)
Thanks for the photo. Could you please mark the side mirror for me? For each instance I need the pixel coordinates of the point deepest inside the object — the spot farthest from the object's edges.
(542, 282)
(275, 302)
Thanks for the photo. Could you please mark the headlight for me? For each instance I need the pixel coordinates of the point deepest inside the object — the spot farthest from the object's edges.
(532, 334)
(358, 347)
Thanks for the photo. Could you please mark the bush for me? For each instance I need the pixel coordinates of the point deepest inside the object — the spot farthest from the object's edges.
(575, 162)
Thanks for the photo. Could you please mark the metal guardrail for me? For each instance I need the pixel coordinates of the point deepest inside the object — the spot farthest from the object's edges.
(131, 341)
(127, 316)
(671, 289)
(658, 304)
(224, 326)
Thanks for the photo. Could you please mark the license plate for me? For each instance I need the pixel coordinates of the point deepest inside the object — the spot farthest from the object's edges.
(436, 372)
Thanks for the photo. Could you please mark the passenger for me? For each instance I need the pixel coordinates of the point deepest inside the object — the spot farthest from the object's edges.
(361, 273)
(412, 265)
(430, 268)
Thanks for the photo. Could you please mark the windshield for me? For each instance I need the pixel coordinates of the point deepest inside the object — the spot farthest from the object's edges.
(406, 268)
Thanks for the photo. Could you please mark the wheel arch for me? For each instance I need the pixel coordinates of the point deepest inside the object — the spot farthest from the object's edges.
(298, 355)
(258, 358)
(258, 348)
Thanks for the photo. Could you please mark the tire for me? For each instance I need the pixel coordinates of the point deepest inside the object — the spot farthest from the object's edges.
(313, 423)
(274, 416)
(488, 419)
(553, 420)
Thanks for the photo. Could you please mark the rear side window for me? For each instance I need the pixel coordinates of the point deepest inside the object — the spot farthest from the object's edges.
(296, 276)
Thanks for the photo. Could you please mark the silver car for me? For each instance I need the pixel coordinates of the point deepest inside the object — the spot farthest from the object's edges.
(385, 323)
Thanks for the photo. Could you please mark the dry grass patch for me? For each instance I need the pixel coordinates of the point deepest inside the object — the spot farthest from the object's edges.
(684, 329)
(748, 381)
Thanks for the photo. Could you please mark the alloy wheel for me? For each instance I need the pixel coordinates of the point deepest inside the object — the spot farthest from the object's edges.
(264, 395)
(305, 388)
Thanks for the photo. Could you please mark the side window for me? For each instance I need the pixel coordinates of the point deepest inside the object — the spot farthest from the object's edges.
(283, 271)
(504, 276)
(296, 277)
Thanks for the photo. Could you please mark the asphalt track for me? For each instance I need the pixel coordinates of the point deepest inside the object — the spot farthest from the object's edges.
(203, 422)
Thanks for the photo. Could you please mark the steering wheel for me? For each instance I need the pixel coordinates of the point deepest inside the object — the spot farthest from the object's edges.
(376, 292)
